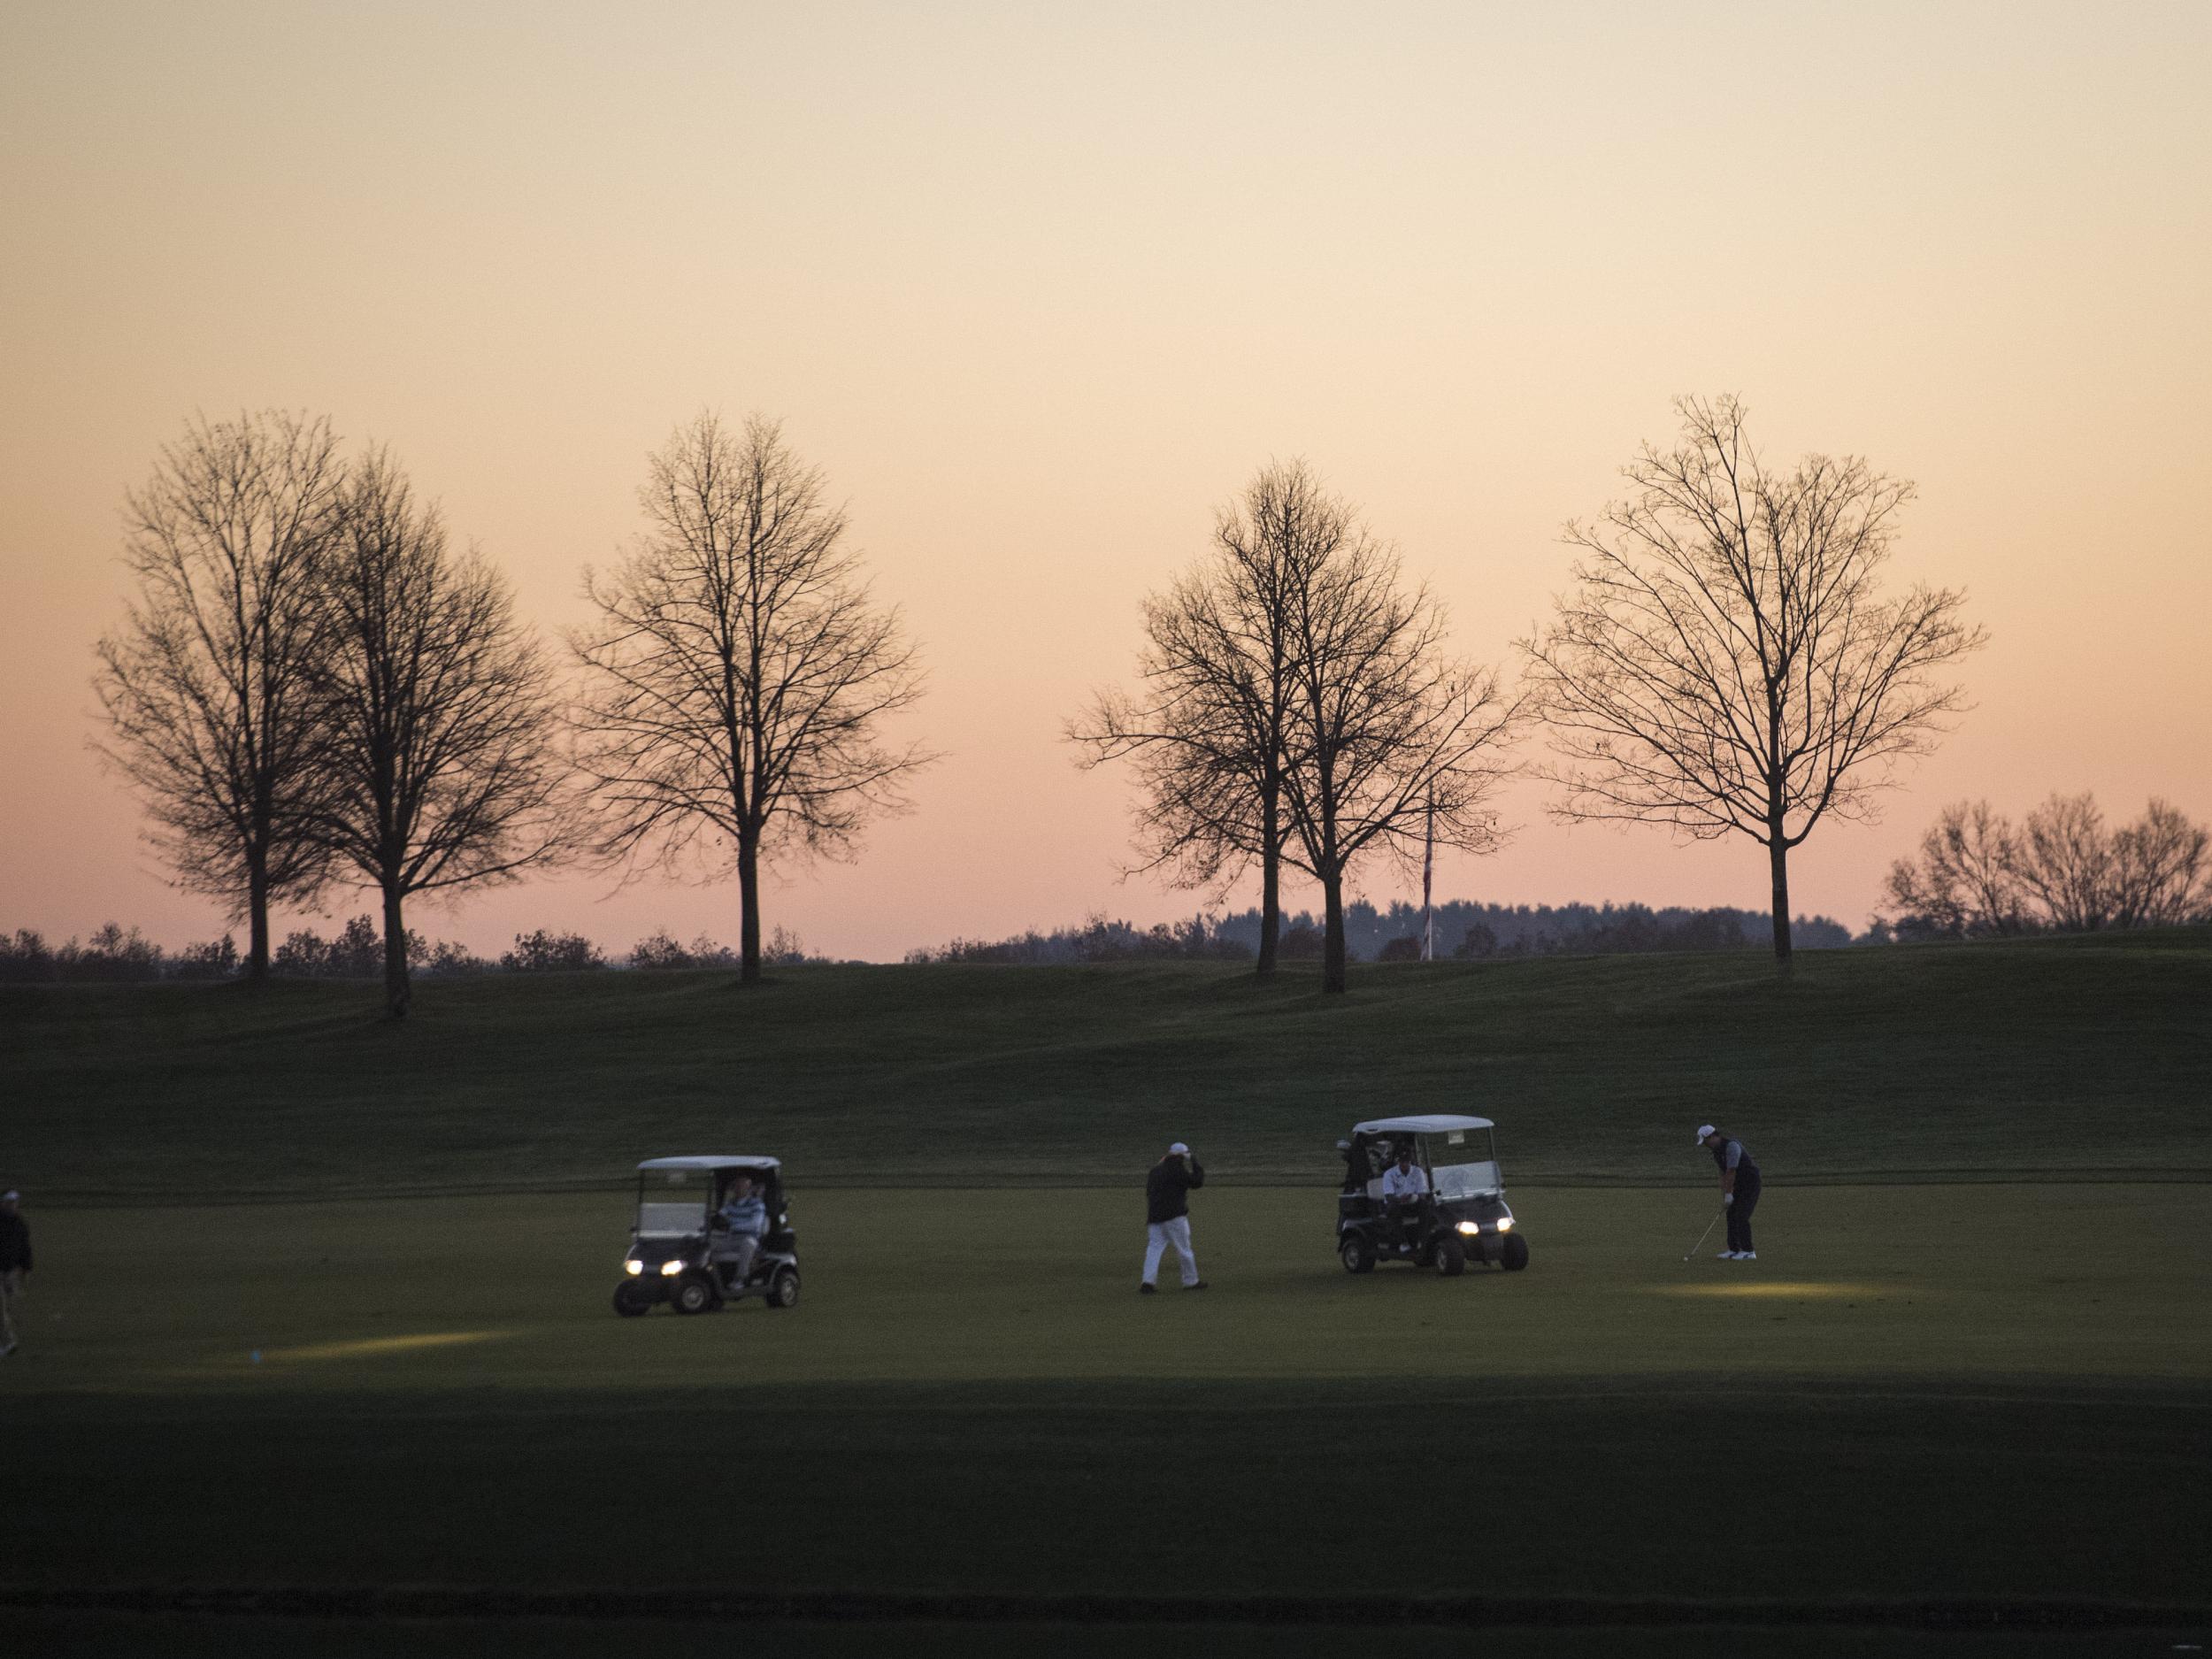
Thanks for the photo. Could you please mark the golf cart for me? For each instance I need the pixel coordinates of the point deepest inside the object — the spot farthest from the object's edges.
(1462, 1217)
(680, 1251)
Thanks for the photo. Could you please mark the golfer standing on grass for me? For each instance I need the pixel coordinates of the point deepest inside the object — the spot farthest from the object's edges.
(15, 1266)
(1167, 1216)
(1738, 1189)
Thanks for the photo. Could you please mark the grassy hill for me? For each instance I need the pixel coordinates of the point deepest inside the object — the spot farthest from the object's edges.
(2086, 1056)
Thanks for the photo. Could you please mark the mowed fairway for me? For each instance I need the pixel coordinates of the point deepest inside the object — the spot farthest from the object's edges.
(1969, 1378)
(1934, 1391)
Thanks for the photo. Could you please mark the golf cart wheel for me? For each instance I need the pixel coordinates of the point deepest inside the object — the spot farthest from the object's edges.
(783, 1288)
(632, 1299)
(693, 1293)
(1451, 1257)
(1516, 1256)
(1358, 1254)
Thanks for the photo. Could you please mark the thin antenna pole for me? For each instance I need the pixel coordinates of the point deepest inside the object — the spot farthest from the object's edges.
(1428, 876)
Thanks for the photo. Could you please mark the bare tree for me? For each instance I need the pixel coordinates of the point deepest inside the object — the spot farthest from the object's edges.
(2156, 871)
(2065, 860)
(1209, 733)
(1976, 875)
(1390, 738)
(2162, 870)
(1726, 663)
(1965, 884)
(203, 686)
(435, 710)
(740, 675)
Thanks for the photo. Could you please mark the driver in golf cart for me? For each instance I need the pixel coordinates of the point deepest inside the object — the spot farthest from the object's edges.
(1420, 1188)
(744, 1223)
(1404, 1184)
(709, 1230)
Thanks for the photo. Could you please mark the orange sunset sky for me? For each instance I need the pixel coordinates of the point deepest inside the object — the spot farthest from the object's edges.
(1038, 286)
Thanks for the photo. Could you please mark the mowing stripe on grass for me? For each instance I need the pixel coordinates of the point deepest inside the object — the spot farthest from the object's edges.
(369, 1347)
(1774, 1287)
(1977, 1614)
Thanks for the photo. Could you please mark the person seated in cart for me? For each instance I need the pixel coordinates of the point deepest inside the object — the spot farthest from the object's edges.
(745, 1222)
(1404, 1184)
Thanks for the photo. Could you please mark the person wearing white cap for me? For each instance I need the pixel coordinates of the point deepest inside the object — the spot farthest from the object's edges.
(15, 1266)
(1167, 1216)
(1739, 1188)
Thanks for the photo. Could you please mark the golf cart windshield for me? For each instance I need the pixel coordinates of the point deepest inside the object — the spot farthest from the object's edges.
(672, 1203)
(1467, 1180)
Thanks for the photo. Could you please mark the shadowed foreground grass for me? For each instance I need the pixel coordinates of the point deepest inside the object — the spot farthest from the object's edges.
(2053, 1056)
(1988, 1391)
(178, 1638)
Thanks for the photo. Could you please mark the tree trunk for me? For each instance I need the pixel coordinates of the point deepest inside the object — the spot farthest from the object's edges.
(397, 992)
(1778, 855)
(749, 909)
(256, 918)
(1332, 940)
(1270, 882)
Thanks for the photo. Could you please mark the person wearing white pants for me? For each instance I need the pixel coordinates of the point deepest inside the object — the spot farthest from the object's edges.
(1158, 1236)
(1167, 1216)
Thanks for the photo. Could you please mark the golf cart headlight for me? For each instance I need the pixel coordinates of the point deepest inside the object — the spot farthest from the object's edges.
(671, 1268)
(1470, 1227)
(634, 1266)
(1505, 1223)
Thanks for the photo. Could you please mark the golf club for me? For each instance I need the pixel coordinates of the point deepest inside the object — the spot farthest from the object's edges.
(1708, 1233)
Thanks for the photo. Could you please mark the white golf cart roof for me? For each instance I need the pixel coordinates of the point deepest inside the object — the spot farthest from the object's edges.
(726, 1160)
(1430, 1124)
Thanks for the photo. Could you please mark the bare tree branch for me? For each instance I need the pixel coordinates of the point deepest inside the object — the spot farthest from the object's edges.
(434, 713)
(1393, 739)
(1726, 663)
(203, 684)
(740, 675)
(1208, 732)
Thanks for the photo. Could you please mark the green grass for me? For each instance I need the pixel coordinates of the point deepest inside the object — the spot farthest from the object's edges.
(1976, 1390)
(2069, 1056)
(1994, 1384)
(938, 1287)
(137, 1635)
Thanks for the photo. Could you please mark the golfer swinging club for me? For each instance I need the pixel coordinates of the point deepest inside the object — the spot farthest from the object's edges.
(1167, 1216)
(1738, 1189)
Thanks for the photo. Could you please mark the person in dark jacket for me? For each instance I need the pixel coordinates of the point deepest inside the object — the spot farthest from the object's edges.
(1167, 1186)
(15, 1266)
(1738, 1189)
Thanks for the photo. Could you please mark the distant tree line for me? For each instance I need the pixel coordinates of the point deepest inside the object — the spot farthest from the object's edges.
(1099, 939)
(1463, 930)
(1978, 875)
(111, 954)
(115, 954)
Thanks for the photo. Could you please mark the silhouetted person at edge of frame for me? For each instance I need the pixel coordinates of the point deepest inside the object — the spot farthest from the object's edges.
(1167, 1216)
(15, 1266)
(1738, 1189)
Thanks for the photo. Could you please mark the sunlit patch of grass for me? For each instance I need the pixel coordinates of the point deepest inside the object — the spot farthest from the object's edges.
(1769, 1287)
(370, 1348)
